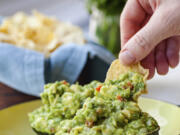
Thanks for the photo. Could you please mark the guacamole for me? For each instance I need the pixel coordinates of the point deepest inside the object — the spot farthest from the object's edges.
(97, 108)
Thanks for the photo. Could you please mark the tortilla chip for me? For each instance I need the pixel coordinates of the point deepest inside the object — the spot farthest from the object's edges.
(117, 68)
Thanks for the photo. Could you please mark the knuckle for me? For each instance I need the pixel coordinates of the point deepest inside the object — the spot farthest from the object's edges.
(123, 20)
(142, 42)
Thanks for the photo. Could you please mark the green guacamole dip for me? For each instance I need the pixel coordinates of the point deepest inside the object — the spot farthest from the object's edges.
(97, 108)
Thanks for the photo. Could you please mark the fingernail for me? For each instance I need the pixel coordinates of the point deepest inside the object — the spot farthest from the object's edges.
(127, 57)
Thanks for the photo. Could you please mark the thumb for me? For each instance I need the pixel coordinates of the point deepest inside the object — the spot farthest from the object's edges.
(145, 40)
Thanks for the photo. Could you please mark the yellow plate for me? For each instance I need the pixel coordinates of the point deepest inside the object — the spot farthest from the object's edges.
(14, 120)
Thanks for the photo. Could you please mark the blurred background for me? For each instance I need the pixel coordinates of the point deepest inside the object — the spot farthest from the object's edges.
(99, 27)
(73, 11)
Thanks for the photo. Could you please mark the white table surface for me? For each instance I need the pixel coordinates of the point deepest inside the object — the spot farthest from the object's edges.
(166, 88)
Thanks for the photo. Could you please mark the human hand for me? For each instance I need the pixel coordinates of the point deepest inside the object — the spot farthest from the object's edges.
(150, 33)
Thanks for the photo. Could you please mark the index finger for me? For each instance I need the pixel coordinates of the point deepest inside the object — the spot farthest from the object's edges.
(131, 20)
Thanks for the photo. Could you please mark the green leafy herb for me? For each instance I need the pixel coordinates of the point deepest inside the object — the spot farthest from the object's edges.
(108, 7)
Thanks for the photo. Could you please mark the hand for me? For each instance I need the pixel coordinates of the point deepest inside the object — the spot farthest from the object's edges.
(150, 33)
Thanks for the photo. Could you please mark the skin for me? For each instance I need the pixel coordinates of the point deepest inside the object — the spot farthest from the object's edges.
(150, 33)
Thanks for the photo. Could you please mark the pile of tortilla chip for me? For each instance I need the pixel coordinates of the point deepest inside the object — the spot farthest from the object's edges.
(39, 32)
